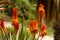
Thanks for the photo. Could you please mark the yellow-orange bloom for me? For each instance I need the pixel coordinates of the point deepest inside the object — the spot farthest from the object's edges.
(41, 13)
(15, 19)
(43, 30)
(34, 26)
(15, 15)
(41, 10)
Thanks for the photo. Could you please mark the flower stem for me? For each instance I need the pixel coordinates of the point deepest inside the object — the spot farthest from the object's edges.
(40, 23)
(34, 37)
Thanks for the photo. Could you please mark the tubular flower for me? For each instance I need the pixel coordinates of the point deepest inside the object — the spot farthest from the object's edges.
(3, 27)
(15, 22)
(2, 24)
(34, 27)
(41, 12)
(43, 30)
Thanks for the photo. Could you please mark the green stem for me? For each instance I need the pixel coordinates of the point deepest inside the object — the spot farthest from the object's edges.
(34, 37)
(22, 28)
(6, 37)
(40, 23)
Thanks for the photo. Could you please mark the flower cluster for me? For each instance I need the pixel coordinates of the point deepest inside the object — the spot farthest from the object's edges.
(43, 30)
(34, 26)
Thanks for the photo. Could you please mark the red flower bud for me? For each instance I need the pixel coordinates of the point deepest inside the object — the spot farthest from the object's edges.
(2, 24)
(3, 27)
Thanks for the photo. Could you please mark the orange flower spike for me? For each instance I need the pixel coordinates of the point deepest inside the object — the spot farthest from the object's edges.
(34, 26)
(15, 19)
(41, 12)
(14, 16)
(43, 30)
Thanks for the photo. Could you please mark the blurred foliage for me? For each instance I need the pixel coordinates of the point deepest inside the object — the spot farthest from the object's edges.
(26, 9)
(24, 34)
